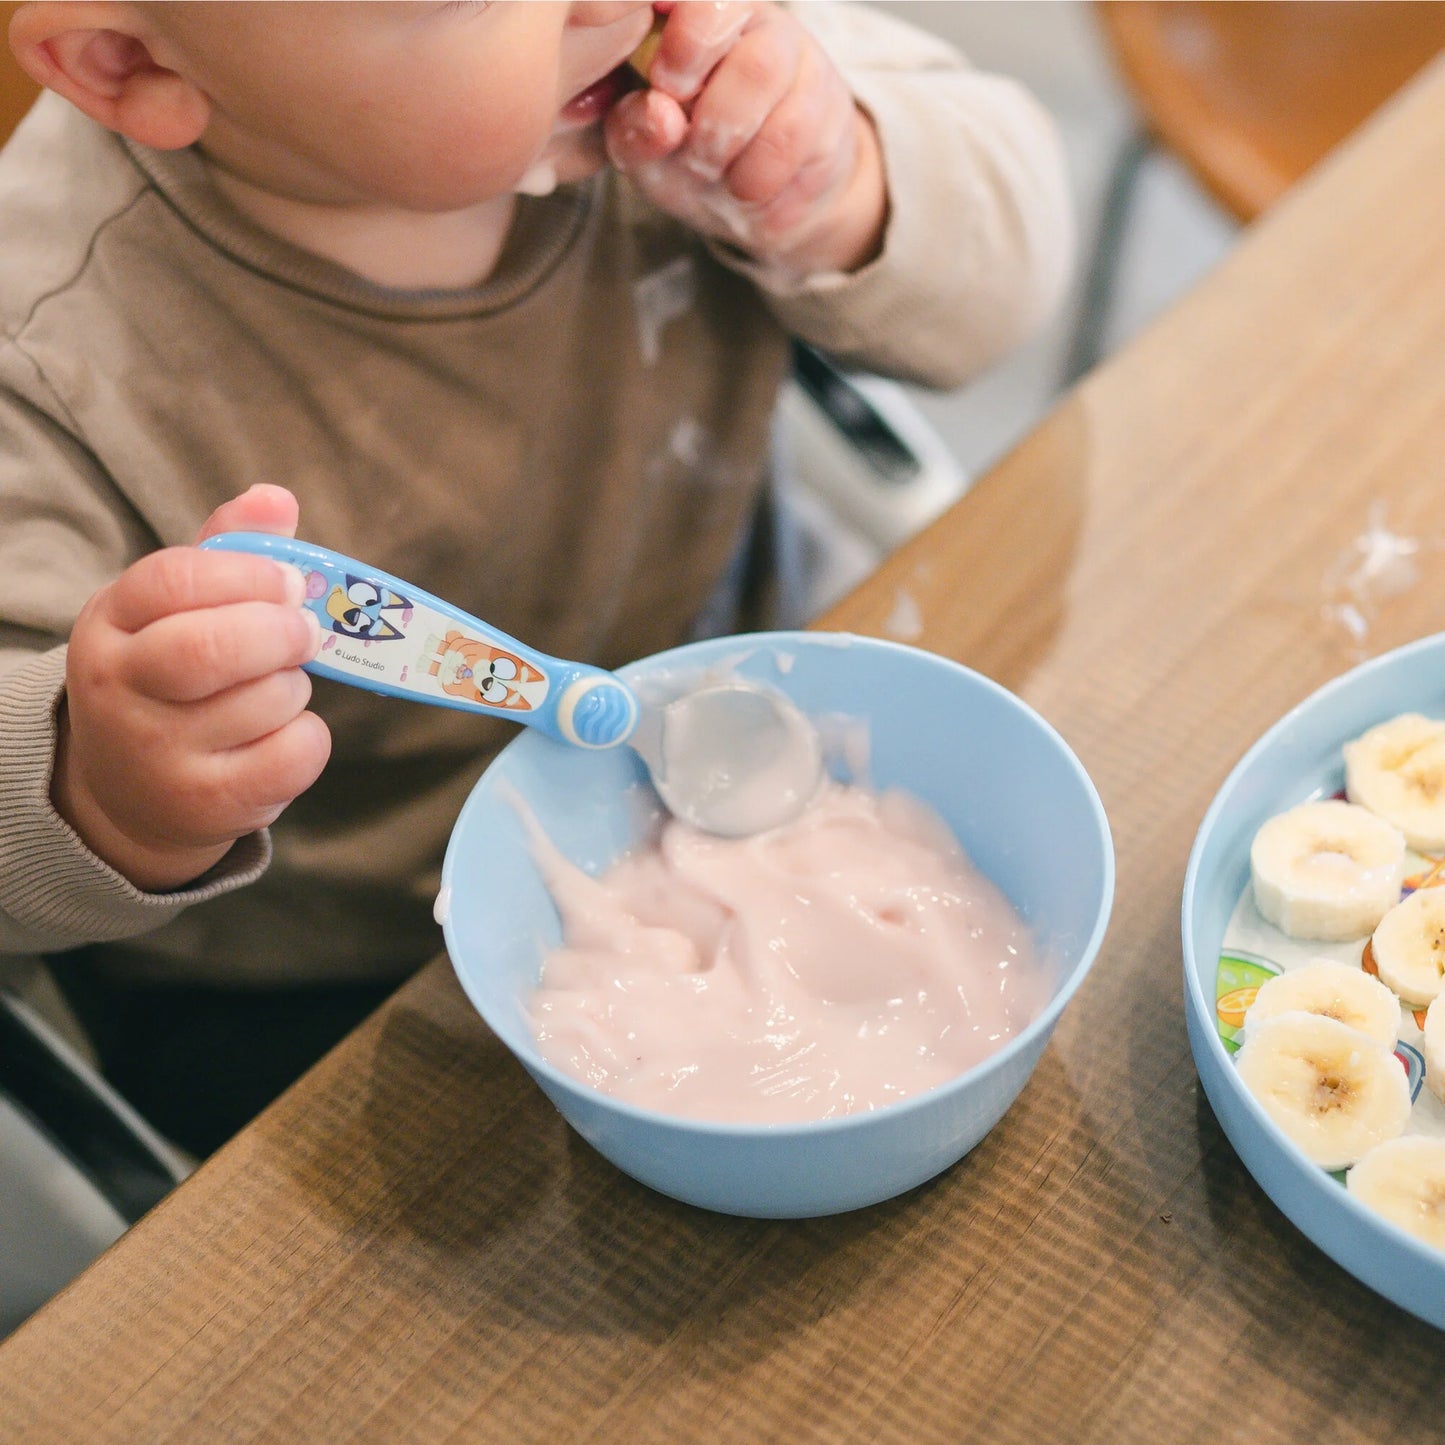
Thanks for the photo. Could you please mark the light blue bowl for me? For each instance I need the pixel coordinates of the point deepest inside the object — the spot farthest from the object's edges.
(1298, 759)
(1003, 779)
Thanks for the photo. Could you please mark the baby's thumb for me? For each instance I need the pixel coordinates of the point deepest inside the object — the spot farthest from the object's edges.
(264, 508)
(642, 127)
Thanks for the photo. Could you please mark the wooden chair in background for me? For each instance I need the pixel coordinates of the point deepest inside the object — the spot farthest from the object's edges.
(1248, 97)
(17, 90)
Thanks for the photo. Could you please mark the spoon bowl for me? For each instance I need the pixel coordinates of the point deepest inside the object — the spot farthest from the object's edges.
(732, 757)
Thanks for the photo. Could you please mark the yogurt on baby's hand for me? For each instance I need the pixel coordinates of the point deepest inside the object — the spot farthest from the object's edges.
(834, 965)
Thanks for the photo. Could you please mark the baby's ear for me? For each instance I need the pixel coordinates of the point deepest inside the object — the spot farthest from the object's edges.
(99, 56)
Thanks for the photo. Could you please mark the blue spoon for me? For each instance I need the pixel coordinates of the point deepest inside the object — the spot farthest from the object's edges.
(730, 757)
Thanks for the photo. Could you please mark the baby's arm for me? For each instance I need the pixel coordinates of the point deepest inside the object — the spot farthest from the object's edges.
(66, 532)
(978, 237)
(185, 726)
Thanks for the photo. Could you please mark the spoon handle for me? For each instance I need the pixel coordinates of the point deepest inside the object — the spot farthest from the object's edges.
(385, 635)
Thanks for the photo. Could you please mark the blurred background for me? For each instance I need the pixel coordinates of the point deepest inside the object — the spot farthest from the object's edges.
(1183, 120)
(1173, 233)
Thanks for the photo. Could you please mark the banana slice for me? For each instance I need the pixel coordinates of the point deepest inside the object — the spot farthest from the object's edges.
(1397, 770)
(1409, 946)
(1333, 990)
(1333, 1090)
(1327, 870)
(1435, 1048)
(641, 58)
(1404, 1180)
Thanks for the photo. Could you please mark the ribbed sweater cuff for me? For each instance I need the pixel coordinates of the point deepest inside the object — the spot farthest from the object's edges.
(54, 892)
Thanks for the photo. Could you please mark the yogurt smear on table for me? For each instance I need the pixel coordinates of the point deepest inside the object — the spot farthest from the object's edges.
(830, 966)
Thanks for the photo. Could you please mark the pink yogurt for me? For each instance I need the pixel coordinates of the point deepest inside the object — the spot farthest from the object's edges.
(836, 964)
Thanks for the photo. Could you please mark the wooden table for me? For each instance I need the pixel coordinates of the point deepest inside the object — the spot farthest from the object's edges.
(411, 1246)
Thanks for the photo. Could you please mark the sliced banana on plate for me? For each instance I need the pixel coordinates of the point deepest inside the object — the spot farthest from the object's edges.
(1435, 1047)
(1409, 946)
(1333, 1090)
(1326, 871)
(1337, 991)
(1397, 769)
(1404, 1180)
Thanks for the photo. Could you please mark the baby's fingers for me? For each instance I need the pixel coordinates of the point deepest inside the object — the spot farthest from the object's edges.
(813, 127)
(643, 127)
(194, 655)
(265, 507)
(755, 77)
(248, 711)
(694, 39)
(185, 579)
(250, 786)
(209, 799)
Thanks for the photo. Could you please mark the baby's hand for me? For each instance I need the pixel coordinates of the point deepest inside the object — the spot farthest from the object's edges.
(749, 134)
(185, 723)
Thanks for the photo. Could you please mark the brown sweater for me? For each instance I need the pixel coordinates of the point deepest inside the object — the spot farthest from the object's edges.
(568, 450)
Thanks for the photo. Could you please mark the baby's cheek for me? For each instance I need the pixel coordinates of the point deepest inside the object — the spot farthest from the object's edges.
(487, 144)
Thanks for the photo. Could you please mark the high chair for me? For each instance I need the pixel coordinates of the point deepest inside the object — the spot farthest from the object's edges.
(17, 90)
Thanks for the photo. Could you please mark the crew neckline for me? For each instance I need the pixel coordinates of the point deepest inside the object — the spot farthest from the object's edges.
(542, 231)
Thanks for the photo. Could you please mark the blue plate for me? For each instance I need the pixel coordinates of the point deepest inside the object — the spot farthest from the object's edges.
(1297, 759)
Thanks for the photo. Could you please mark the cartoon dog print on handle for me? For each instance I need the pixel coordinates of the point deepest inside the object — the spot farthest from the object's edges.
(479, 672)
(368, 610)
(358, 607)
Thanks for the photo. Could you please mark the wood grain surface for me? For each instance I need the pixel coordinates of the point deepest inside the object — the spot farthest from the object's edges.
(411, 1246)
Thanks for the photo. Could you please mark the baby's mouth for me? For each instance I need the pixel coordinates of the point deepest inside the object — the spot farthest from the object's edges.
(592, 103)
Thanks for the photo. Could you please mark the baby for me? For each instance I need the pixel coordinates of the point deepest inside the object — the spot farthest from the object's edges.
(450, 284)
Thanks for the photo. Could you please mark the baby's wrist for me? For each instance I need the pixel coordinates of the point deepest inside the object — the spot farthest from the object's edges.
(151, 868)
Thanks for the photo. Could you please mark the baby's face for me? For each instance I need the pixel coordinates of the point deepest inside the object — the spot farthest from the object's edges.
(424, 105)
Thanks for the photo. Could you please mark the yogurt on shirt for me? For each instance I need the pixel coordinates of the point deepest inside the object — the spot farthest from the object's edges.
(830, 966)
